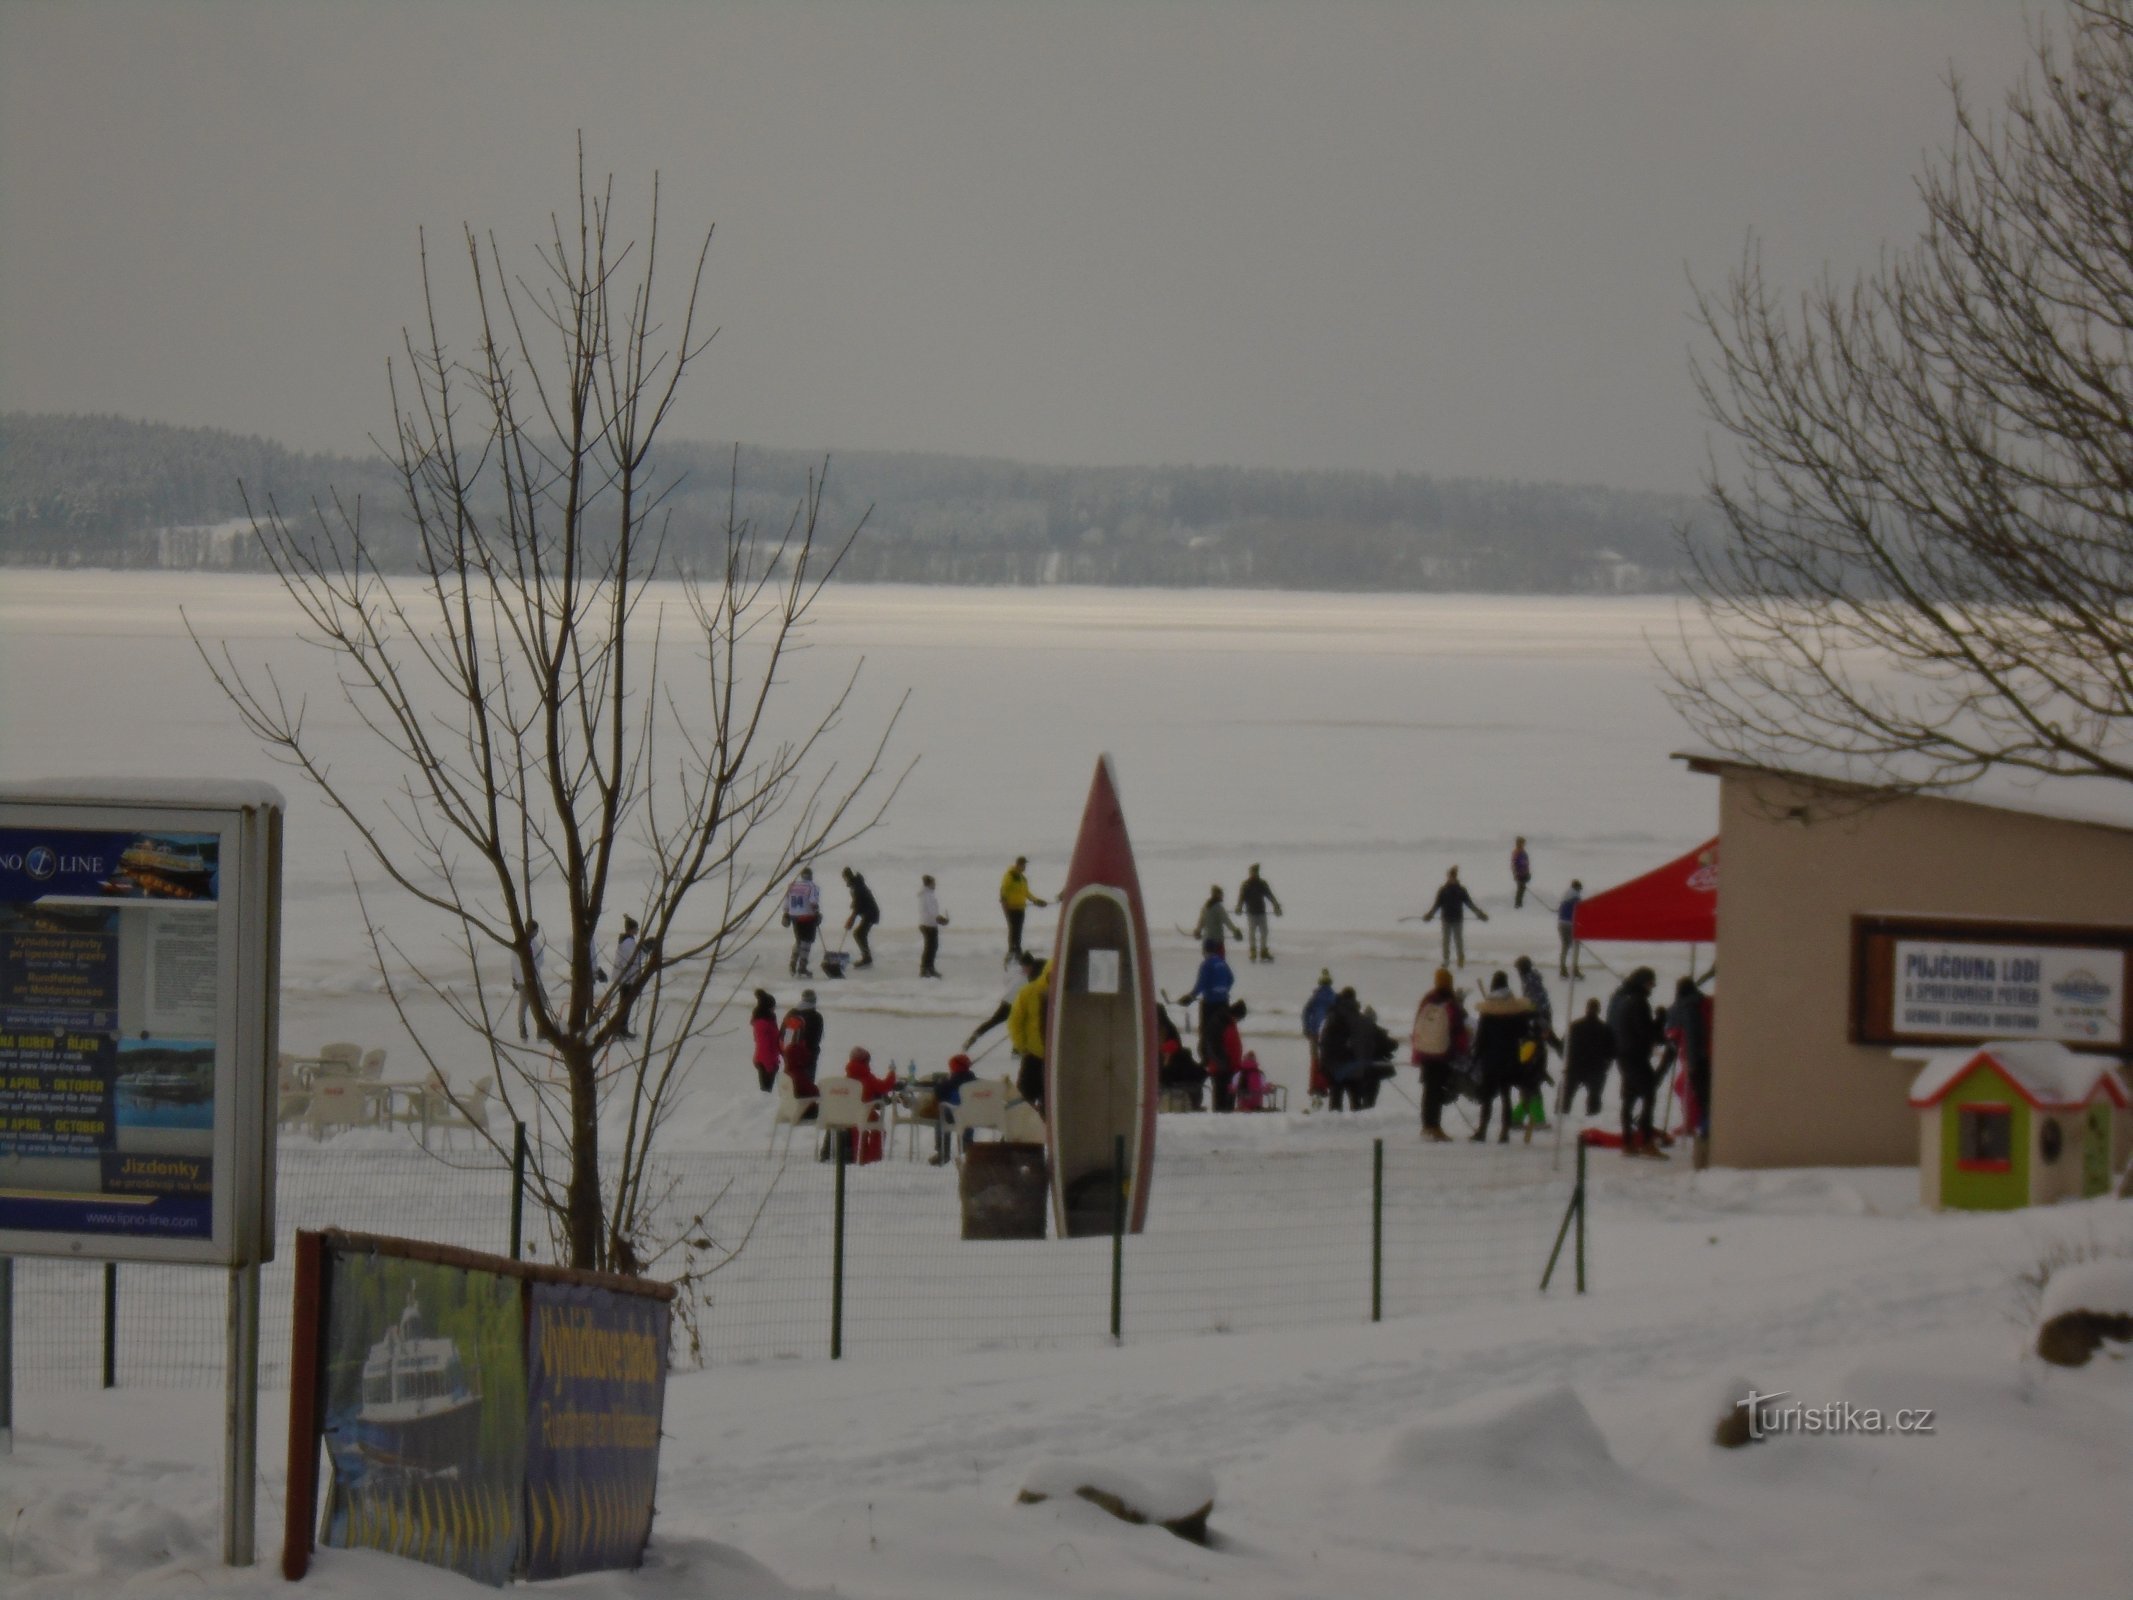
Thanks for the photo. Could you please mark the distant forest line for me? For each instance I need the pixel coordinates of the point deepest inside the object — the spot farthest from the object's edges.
(106, 491)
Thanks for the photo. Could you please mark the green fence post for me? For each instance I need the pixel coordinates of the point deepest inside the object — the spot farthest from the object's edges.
(111, 1332)
(1377, 1230)
(518, 1189)
(1581, 1216)
(837, 1261)
(1118, 1238)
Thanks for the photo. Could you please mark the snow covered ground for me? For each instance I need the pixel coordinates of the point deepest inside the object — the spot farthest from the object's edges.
(1502, 1445)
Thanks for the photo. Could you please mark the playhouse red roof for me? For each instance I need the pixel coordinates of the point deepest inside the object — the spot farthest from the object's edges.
(2046, 1074)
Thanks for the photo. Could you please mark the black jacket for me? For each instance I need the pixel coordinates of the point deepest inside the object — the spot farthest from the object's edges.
(1590, 1048)
(1502, 1024)
(1635, 1029)
(863, 907)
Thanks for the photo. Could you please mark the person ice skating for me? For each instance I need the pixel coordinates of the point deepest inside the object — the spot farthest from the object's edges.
(1015, 899)
(537, 958)
(1452, 904)
(1214, 918)
(1255, 898)
(803, 914)
(1636, 1030)
(1025, 1029)
(1438, 1034)
(861, 918)
(1566, 930)
(1211, 987)
(1586, 1055)
(1521, 871)
(1314, 1018)
(1502, 1022)
(800, 1046)
(763, 1025)
(931, 920)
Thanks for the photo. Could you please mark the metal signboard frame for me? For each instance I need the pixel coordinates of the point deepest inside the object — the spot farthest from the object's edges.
(60, 838)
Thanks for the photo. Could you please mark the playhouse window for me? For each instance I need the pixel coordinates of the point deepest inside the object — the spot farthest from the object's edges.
(1985, 1139)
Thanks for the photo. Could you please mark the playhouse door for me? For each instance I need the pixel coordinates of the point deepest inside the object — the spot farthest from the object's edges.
(2095, 1152)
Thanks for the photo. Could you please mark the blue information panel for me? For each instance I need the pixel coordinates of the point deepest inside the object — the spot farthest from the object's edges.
(119, 1030)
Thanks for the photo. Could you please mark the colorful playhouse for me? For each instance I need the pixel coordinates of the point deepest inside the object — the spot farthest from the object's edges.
(2018, 1123)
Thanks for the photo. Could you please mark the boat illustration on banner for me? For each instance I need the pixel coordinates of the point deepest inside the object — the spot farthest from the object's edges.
(418, 1410)
(1100, 1060)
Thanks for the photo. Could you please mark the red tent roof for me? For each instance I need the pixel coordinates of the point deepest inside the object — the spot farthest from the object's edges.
(1674, 903)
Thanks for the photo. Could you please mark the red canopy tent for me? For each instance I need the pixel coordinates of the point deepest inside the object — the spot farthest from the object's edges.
(1676, 903)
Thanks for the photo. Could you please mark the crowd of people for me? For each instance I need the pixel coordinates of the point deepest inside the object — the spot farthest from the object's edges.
(1497, 1050)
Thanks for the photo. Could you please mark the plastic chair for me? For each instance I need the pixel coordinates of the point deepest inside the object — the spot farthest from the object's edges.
(341, 1056)
(792, 1111)
(983, 1105)
(338, 1102)
(292, 1094)
(372, 1065)
(468, 1113)
(846, 1109)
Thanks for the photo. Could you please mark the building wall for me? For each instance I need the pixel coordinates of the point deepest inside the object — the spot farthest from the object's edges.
(1788, 1089)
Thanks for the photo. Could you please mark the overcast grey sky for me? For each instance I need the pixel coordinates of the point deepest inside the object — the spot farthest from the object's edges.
(1446, 237)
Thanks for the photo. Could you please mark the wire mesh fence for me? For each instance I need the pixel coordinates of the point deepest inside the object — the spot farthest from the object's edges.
(1234, 1240)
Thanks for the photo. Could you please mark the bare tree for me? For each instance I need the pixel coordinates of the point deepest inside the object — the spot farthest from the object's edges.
(568, 743)
(1931, 553)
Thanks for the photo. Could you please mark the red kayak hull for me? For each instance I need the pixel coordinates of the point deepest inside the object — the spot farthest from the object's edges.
(1101, 1060)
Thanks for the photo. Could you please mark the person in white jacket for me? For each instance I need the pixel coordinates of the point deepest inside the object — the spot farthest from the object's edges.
(930, 922)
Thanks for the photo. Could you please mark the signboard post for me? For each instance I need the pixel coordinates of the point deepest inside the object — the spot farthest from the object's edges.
(139, 971)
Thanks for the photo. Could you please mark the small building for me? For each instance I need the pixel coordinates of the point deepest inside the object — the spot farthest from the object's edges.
(2016, 1123)
(1860, 928)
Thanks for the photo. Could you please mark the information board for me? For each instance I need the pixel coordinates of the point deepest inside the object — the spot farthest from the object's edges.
(1922, 980)
(137, 970)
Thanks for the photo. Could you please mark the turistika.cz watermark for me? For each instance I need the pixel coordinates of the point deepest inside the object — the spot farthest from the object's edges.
(1768, 1417)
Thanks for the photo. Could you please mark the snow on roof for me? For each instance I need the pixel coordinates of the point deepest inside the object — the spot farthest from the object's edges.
(2099, 802)
(210, 794)
(2048, 1075)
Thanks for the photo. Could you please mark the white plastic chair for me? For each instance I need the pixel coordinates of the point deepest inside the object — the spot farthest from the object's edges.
(470, 1114)
(340, 1057)
(372, 1065)
(845, 1108)
(339, 1102)
(292, 1095)
(983, 1104)
(792, 1111)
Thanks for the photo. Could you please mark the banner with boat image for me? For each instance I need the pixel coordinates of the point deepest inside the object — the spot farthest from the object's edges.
(495, 1417)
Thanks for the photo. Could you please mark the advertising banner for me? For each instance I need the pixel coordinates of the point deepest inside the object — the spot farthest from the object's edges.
(424, 1414)
(135, 1019)
(598, 1370)
(2008, 991)
(500, 1418)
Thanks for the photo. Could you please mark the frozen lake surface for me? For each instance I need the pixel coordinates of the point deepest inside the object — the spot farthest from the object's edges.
(1354, 745)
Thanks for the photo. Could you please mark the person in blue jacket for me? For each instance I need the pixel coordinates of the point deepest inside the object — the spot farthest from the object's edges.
(1314, 1018)
(1211, 988)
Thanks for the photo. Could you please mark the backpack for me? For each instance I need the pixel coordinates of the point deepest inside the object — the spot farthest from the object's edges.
(1433, 1027)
